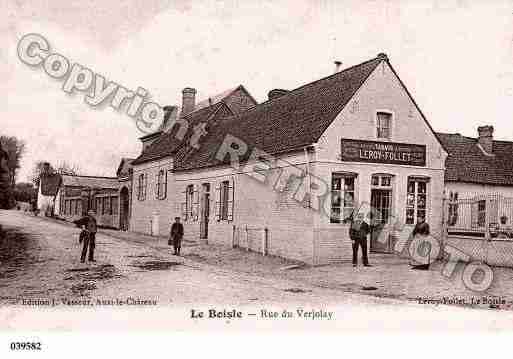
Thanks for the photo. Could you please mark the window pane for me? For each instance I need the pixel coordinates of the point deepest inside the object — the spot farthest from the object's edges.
(348, 199)
(409, 216)
(421, 214)
(336, 199)
(422, 187)
(347, 212)
(335, 183)
(335, 215)
(349, 184)
(411, 187)
(421, 201)
(385, 181)
(375, 181)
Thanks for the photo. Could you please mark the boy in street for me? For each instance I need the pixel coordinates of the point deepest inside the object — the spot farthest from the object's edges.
(88, 236)
(176, 235)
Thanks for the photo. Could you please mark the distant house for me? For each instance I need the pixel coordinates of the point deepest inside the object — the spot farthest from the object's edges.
(49, 184)
(478, 181)
(77, 194)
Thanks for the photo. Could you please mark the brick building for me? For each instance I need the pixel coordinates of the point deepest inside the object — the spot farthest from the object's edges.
(305, 159)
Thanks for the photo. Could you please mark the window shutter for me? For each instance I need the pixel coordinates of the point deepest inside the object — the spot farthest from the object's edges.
(157, 184)
(145, 186)
(184, 205)
(230, 199)
(218, 202)
(165, 186)
(195, 205)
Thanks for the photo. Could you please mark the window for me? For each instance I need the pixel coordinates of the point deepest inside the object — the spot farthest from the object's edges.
(342, 198)
(224, 201)
(78, 207)
(189, 198)
(453, 209)
(383, 124)
(416, 201)
(141, 187)
(225, 187)
(481, 213)
(114, 205)
(161, 185)
(105, 205)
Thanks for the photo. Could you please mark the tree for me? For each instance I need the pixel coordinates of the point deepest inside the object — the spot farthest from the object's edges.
(25, 192)
(65, 168)
(15, 149)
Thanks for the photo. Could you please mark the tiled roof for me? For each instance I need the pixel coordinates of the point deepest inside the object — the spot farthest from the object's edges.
(296, 119)
(90, 181)
(168, 143)
(467, 162)
(50, 184)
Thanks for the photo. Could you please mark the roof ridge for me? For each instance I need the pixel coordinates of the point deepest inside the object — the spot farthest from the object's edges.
(88, 176)
(289, 92)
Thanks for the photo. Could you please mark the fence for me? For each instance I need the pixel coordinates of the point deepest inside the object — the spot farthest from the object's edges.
(254, 239)
(487, 216)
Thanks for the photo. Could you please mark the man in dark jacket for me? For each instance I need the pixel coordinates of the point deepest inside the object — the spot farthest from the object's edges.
(88, 236)
(176, 235)
(358, 232)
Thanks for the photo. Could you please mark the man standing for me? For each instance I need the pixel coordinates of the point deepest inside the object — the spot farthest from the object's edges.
(89, 237)
(358, 232)
(176, 235)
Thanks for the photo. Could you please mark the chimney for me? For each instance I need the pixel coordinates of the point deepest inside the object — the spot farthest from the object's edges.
(485, 138)
(188, 100)
(338, 64)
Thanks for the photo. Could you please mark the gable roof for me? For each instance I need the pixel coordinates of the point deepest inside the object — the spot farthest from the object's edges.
(296, 119)
(90, 181)
(50, 184)
(124, 167)
(467, 162)
(168, 143)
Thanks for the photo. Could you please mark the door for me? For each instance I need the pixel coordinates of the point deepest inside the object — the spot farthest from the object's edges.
(124, 209)
(381, 200)
(205, 210)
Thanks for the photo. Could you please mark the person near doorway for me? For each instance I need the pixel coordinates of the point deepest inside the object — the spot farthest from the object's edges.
(88, 235)
(176, 235)
(358, 231)
(422, 227)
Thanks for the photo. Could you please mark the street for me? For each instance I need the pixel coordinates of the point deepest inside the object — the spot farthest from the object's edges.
(40, 272)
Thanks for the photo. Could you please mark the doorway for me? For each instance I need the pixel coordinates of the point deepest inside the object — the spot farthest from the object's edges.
(205, 210)
(381, 203)
(124, 209)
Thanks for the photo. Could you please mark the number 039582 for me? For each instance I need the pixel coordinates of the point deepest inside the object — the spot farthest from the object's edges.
(25, 346)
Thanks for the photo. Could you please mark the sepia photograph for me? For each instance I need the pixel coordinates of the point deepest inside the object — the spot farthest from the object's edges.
(243, 165)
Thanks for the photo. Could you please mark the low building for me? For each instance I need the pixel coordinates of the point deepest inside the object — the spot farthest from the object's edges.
(478, 183)
(77, 194)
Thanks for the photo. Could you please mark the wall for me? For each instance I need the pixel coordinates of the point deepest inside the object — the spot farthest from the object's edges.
(470, 190)
(256, 205)
(147, 213)
(44, 203)
(381, 91)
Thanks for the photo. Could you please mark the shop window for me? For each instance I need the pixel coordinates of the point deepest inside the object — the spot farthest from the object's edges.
(383, 125)
(342, 198)
(416, 201)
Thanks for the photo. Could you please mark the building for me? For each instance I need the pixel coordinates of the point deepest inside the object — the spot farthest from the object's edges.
(478, 183)
(77, 194)
(154, 200)
(49, 184)
(283, 176)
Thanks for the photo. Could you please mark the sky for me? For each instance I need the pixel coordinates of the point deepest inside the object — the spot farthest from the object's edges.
(455, 57)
